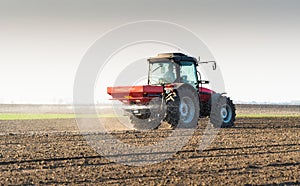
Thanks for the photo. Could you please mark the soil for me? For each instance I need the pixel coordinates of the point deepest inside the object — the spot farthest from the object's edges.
(260, 151)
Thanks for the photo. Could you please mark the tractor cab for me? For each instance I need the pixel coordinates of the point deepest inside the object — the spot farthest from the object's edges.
(168, 68)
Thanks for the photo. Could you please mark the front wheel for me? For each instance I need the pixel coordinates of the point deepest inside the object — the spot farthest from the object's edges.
(222, 112)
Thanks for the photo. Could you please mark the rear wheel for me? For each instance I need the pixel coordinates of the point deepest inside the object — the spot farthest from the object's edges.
(142, 123)
(183, 112)
(222, 112)
(151, 120)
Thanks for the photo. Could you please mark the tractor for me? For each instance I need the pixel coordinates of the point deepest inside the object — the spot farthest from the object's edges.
(174, 94)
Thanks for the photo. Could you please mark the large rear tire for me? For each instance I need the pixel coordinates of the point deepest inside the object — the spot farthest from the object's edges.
(222, 112)
(141, 123)
(184, 111)
(151, 120)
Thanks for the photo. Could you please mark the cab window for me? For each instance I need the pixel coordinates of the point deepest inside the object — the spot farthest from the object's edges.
(188, 73)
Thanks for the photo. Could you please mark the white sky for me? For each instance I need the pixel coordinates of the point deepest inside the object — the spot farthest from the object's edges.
(256, 43)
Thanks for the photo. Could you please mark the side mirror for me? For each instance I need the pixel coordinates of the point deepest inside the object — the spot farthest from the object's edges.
(214, 66)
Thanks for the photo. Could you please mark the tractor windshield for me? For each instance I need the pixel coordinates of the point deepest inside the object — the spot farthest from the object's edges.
(162, 73)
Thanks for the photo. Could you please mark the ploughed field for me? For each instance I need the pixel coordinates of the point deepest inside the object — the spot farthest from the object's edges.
(262, 148)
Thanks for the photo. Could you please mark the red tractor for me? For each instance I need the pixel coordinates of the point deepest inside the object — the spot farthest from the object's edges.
(174, 94)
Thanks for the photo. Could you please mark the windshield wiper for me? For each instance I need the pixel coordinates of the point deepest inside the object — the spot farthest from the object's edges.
(156, 69)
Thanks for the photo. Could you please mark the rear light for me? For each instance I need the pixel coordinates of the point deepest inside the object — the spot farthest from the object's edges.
(168, 90)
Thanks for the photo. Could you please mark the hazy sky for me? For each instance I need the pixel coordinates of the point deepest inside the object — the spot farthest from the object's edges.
(256, 43)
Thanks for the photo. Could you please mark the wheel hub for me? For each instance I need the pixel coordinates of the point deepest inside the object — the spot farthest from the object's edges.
(226, 113)
(184, 109)
(187, 109)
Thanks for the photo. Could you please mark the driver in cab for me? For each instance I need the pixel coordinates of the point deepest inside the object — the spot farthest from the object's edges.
(169, 76)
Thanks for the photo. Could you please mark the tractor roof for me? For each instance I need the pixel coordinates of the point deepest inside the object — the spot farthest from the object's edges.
(175, 57)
